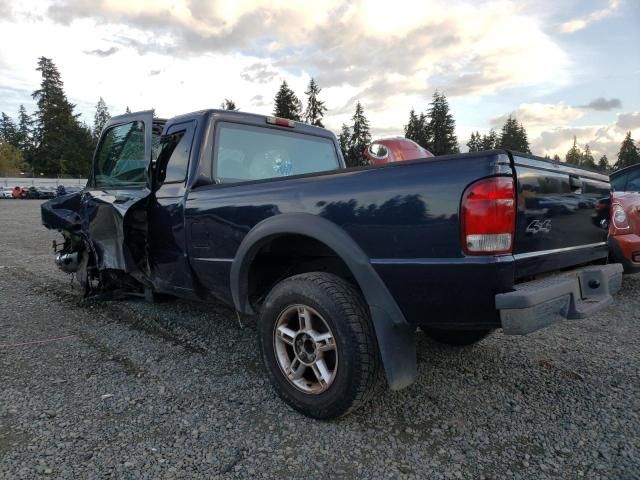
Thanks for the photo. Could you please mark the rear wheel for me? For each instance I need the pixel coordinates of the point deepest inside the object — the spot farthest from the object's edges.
(318, 345)
(456, 338)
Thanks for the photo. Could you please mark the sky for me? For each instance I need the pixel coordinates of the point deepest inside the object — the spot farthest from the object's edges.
(563, 67)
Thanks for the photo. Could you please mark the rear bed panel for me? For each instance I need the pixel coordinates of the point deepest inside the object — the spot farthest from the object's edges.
(557, 224)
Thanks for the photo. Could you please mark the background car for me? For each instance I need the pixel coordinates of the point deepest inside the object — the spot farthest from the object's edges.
(7, 192)
(395, 149)
(624, 226)
(19, 192)
(30, 193)
(46, 192)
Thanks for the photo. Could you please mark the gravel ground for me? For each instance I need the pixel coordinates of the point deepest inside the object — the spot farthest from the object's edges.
(176, 390)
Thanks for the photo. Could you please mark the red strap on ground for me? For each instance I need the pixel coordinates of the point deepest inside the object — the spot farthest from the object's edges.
(35, 342)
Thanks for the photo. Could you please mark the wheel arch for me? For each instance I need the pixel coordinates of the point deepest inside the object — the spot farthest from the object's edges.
(396, 338)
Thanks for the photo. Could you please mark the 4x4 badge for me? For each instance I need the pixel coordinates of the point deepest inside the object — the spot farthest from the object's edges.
(539, 226)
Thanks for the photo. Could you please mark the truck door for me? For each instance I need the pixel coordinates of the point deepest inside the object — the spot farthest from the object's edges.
(168, 264)
(118, 182)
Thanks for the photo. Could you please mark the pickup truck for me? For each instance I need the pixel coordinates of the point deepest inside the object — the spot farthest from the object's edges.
(340, 266)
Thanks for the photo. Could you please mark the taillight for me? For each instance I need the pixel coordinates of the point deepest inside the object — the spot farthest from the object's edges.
(488, 217)
(619, 217)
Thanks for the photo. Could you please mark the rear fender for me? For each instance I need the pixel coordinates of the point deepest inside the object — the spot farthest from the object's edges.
(396, 338)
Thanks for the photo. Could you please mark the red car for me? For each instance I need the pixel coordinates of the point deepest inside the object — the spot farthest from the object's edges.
(395, 149)
(624, 227)
(19, 192)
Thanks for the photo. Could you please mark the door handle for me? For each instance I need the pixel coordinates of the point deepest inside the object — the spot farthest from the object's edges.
(122, 198)
(574, 182)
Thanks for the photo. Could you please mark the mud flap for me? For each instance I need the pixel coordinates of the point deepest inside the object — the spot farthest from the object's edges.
(397, 344)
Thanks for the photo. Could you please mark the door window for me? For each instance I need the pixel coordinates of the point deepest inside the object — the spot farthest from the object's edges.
(120, 159)
(245, 153)
(633, 182)
(173, 160)
(619, 183)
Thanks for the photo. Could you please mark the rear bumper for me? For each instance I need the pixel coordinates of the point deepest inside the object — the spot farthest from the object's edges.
(624, 249)
(571, 295)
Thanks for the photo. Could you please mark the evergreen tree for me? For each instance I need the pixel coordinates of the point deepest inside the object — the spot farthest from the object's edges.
(360, 138)
(229, 104)
(58, 134)
(344, 140)
(100, 119)
(424, 132)
(442, 127)
(24, 133)
(287, 105)
(603, 164)
(524, 139)
(8, 130)
(315, 108)
(556, 158)
(628, 154)
(574, 155)
(411, 129)
(127, 110)
(587, 159)
(513, 136)
(417, 129)
(77, 161)
(489, 141)
(475, 142)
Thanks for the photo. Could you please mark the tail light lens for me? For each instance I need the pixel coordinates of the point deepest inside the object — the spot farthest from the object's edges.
(619, 217)
(488, 217)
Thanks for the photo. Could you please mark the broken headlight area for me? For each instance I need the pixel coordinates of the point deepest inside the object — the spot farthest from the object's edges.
(76, 257)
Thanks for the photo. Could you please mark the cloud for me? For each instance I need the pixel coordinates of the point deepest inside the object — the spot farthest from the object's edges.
(102, 53)
(459, 48)
(258, 101)
(536, 115)
(602, 139)
(13, 97)
(258, 73)
(628, 121)
(602, 104)
(6, 13)
(583, 22)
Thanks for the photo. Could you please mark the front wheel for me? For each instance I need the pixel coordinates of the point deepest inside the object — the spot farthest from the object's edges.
(318, 345)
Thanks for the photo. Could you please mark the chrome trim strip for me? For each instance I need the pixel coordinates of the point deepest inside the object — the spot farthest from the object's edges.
(480, 259)
(520, 256)
(213, 259)
(477, 260)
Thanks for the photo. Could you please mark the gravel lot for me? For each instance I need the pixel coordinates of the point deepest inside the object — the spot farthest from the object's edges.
(176, 390)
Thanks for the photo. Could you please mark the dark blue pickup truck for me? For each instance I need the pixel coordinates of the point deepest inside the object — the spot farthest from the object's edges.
(341, 266)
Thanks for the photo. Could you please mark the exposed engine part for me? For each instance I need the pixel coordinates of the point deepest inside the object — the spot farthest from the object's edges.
(68, 262)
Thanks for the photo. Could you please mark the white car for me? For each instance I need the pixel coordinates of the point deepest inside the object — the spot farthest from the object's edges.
(6, 192)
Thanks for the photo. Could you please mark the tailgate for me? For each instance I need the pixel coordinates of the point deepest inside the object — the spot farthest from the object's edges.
(558, 225)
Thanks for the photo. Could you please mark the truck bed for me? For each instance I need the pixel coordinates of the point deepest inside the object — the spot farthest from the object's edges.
(406, 219)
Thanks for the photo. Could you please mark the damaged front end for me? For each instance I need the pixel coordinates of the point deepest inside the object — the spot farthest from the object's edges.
(104, 244)
(105, 225)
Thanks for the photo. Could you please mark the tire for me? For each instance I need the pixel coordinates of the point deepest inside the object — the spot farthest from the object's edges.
(456, 338)
(323, 382)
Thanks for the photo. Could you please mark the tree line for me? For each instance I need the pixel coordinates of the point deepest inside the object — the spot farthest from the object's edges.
(52, 141)
(629, 154)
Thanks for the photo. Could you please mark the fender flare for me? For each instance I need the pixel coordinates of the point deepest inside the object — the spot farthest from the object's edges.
(396, 337)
